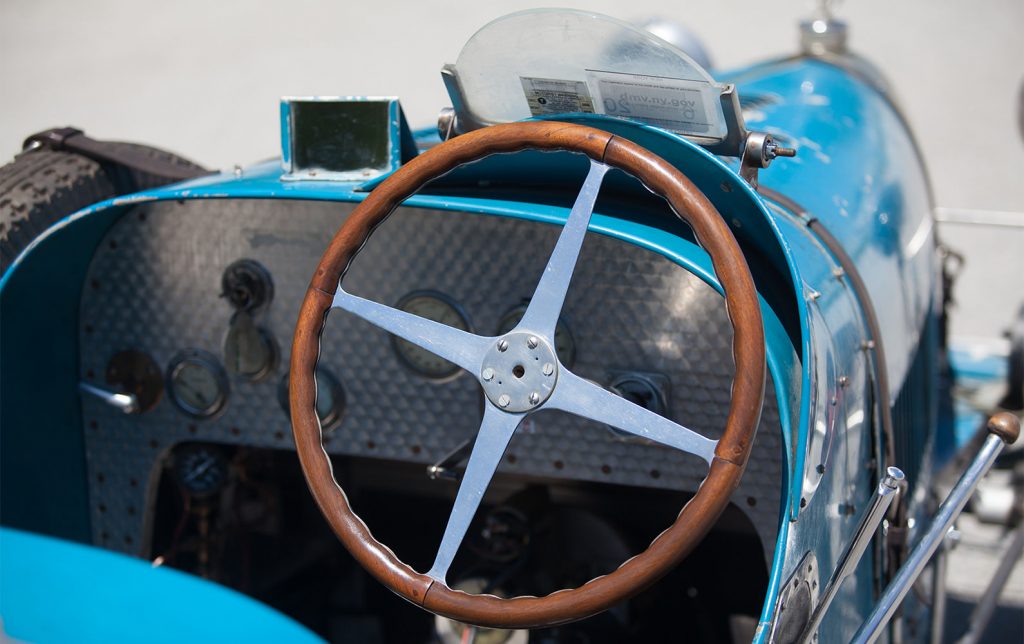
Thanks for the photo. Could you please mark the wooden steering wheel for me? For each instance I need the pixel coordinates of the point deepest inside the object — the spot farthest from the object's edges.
(520, 373)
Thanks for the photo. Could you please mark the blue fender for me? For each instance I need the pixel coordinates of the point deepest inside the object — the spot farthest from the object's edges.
(58, 591)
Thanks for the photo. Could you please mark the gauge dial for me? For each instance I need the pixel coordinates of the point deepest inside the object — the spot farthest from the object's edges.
(439, 308)
(197, 383)
(565, 345)
(330, 398)
(201, 470)
(135, 372)
(248, 350)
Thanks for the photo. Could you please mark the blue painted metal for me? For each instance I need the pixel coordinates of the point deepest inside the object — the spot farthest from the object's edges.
(42, 447)
(857, 171)
(663, 235)
(824, 504)
(56, 591)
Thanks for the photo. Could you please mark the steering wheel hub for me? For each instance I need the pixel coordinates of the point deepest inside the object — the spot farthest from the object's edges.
(519, 371)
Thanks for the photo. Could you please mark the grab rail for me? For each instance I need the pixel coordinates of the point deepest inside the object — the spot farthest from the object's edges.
(888, 489)
(1003, 430)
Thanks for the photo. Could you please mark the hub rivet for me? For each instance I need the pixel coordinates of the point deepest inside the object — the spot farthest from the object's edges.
(504, 400)
(532, 342)
(488, 374)
(502, 345)
(534, 398)
(547, 369)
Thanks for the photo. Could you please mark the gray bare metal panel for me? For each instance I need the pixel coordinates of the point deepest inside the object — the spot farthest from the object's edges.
(154, 285)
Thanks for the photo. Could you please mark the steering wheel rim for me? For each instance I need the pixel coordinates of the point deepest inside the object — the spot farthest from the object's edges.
(726, 462)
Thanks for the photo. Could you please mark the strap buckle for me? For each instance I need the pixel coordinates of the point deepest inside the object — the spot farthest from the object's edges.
(54, 138)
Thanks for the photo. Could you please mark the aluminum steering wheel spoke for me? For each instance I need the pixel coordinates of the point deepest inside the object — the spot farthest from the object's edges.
(496, 431)
(454, 345)
(584, 398)
(546, 305)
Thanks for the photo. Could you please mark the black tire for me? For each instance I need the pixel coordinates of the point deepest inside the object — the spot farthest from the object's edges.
(42, 186)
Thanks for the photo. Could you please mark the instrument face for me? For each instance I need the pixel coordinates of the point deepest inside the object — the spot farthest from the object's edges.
(197, 383)
(436, 306)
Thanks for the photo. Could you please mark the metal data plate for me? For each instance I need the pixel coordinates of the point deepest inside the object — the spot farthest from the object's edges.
(158, 290)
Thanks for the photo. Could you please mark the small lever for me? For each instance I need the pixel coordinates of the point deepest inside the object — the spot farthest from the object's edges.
(445, 468)
(127, 403)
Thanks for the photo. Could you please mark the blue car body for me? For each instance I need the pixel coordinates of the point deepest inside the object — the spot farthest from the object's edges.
(856, 171)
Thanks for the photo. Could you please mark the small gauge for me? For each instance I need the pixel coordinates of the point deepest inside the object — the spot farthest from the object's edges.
(565, 345)
(249, 351)
(201, 470)
(330, 398)
(135, 372)
(439, 308)
(196, 383)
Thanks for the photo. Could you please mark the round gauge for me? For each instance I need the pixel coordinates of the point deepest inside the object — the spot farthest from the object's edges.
(330, 398)
(565, 346)
(196, 383)
(135, 372)
(439, 308)
(248, 350)
(201, 470)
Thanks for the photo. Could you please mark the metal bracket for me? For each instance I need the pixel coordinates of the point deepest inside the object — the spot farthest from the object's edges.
(736, 132)
(445, 468)
(797, 599)
(457, 119)
(759, 150)
(317, 134)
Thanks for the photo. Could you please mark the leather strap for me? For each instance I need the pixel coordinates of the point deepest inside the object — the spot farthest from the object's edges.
(74, 140)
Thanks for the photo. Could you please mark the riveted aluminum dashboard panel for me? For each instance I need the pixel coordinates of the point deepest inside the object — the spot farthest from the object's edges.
(154, 285)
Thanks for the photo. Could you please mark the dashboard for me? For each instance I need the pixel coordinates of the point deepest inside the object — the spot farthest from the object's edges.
(190, 305)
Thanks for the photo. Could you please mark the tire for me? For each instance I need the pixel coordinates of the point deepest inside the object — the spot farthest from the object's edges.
(42, 186)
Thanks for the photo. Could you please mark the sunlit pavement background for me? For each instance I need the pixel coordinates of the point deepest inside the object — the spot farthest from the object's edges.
(203, 79)
(971, 565)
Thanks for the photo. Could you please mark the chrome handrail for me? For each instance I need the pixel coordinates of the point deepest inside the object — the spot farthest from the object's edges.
(1003, 430)
(887, 491)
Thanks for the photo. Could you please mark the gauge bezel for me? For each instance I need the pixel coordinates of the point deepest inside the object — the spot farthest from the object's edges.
(136, 372)
(323, 376)
(271, 343)
(519, 310)
(183, 450)
(208, 361)
(448, 300)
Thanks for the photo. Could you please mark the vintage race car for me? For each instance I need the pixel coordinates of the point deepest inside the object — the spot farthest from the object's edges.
(620, 351)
